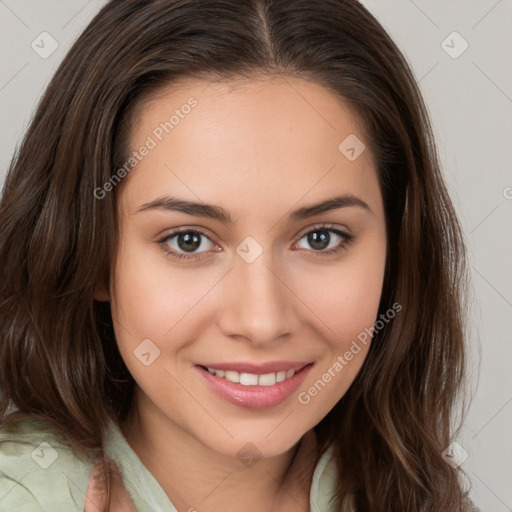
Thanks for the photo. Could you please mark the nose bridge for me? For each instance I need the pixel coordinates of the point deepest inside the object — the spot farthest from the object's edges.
(258, 304)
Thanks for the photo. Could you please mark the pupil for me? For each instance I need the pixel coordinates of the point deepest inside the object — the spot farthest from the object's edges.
(319, 239)
(191, 241)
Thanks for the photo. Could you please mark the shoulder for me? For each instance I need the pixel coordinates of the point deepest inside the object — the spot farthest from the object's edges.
(39, 471)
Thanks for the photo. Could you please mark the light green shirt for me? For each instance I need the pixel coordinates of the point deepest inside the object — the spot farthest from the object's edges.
(39, 473)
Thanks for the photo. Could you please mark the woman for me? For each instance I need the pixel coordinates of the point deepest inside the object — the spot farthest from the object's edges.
(231, 270)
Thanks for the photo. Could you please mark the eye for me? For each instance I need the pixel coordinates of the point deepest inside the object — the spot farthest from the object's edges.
(326, 240)
(186, 243)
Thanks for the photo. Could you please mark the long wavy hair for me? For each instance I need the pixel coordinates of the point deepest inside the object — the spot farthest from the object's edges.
(59, 360)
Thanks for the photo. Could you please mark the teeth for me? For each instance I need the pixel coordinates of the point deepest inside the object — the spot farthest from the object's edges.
(250, 379)
(231, 376)
(268, 379)
(280, 376)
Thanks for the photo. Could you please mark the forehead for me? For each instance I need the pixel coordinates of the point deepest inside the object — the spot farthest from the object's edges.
(247, 140)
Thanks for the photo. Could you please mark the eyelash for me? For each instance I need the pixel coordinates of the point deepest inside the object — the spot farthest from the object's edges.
(346, 240)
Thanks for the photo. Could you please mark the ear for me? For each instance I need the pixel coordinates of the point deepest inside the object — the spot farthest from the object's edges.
(101, 294)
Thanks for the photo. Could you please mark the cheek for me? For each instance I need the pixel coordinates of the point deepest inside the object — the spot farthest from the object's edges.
(345, 296)
(150, 297)
(141, 304)
(345, 300)
(151, 308)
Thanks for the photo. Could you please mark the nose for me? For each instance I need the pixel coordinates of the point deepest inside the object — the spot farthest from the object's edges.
(258, 304)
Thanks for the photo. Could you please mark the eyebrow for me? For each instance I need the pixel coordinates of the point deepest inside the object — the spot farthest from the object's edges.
(218, 213)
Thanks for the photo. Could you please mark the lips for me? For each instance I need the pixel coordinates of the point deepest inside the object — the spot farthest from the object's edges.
(261, 389)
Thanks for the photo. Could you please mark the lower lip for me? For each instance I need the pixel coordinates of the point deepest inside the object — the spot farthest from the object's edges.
(255, 397)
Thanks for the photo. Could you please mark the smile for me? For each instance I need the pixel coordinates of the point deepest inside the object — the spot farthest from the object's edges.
(254, 390)
(251, 379)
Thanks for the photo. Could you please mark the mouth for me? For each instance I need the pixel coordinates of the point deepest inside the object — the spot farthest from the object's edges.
(261, 377)
(257, 390)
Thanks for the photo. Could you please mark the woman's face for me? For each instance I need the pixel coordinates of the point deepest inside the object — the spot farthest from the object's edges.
(272, 275)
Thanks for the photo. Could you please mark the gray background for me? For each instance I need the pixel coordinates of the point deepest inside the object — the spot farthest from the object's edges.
(470, 101)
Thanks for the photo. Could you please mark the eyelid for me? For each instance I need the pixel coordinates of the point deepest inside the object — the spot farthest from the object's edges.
(203, 232)
(325, 225)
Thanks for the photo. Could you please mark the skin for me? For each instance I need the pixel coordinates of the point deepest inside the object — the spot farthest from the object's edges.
(258, 148)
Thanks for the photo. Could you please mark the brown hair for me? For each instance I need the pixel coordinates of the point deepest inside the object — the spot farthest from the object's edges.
(58, 356)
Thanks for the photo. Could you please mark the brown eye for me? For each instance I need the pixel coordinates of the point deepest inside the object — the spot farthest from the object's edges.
(185, 244)
(188, 241)
(326, 240)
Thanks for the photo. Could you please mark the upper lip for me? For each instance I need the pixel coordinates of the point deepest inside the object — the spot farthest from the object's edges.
(258, 369)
